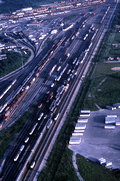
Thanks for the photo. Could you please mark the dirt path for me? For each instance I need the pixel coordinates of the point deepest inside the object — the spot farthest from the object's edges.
(75, 166)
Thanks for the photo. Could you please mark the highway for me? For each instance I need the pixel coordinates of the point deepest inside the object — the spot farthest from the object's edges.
(72, 51)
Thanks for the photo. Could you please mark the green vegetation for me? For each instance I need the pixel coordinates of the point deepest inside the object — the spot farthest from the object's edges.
(64, 172)
(105, 84)
(7, 135)
(117, 16)
(102, 69)
(94, 172)
(103, 91)
(111, 42)
(14, 61)
(110, 47)
(9, 6)
(70, 17)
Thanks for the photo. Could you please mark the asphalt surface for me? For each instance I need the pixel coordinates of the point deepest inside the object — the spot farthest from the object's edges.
(98, 142)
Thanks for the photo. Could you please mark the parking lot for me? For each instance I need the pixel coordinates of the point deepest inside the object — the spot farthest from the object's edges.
(98, 142)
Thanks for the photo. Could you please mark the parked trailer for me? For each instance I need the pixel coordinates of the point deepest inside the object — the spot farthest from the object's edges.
(32, 164)
(3, 107)
(68, 72)
(115, 116)
(56, 117)
(58, 78)
(77, 134)
(52, 85)
(75, 60)
(40, 117)
(26, 139)
(58, 69)
(109, 164)
(29, 159)
(102, 161)
(18, 154)
(50, 121)
(110, 107)
(82, 120)
(33, 129)
(85, 115)
(79, 131)
(53, 68)
(117, 105)
(109, 127)
(8, 88)
(22, 147)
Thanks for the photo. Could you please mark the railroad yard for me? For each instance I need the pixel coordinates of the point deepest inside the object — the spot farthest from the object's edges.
(63, 40)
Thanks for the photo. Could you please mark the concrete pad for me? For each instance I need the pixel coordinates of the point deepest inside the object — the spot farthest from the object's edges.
(98, 142)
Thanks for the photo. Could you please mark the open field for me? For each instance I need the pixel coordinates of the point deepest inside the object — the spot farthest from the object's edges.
(108, 92)
(102, 69)
(10, 5)
(110, 48)
(110, 45)
(103, 91)
(14, 61)
(65, 170)
(93, 171)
